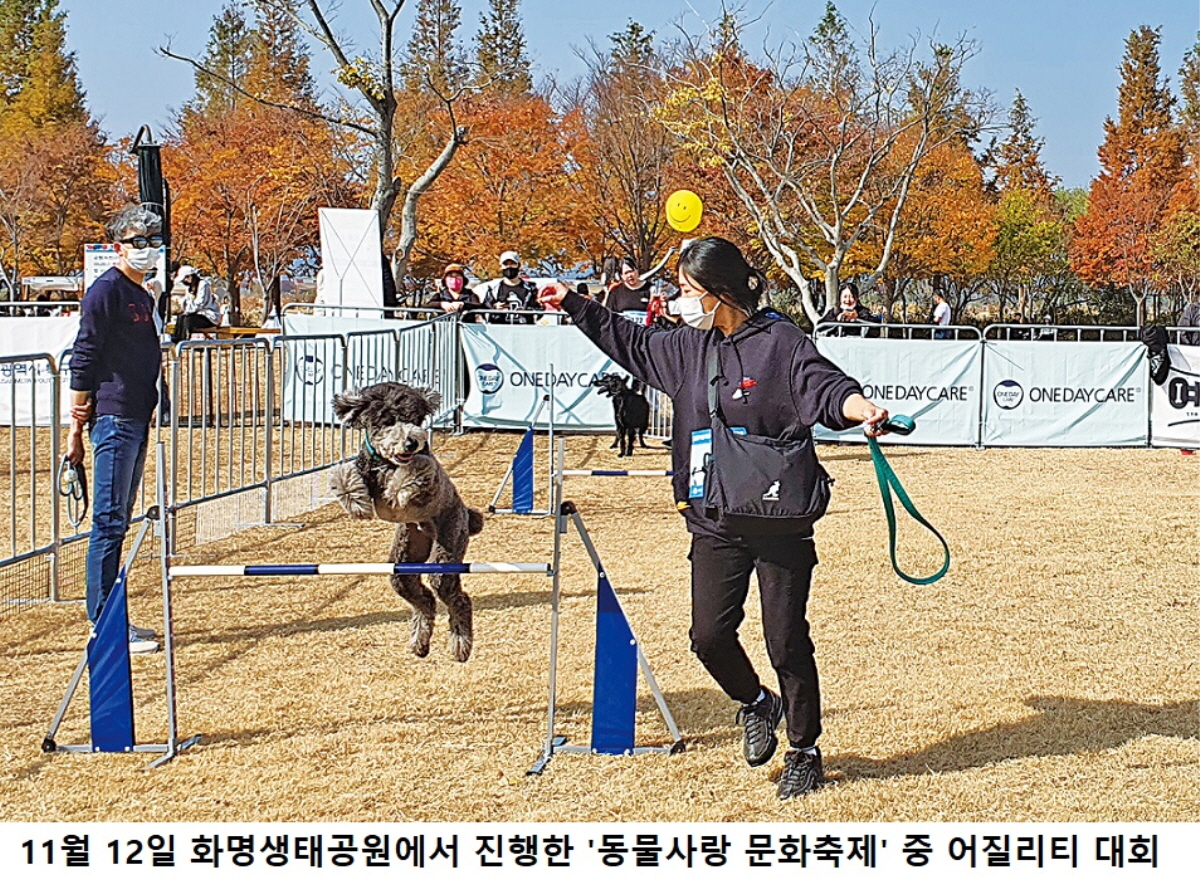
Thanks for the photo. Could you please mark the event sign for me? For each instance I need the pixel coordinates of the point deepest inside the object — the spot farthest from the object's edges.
(351, 259)
(510, 369)
(935, 381)
(28, 385)
(1175, 406)
(1064, 394)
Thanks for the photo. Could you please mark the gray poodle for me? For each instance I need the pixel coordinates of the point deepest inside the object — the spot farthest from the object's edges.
(396, 478)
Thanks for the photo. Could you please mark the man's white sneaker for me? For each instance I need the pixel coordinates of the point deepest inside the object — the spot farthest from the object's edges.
(139, 632)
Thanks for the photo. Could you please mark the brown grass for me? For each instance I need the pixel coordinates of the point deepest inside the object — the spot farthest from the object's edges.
(1051, 676)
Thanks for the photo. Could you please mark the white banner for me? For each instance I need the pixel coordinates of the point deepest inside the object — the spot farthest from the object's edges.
(351, 258)
(936, 382)
(1175, 407)
(511, 368)
(313, 372)
(1065, 394)
(319, 324)
(23, 336)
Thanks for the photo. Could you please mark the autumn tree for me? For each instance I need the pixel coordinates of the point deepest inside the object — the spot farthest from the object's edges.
(374, 80)
(820, 145)
(433, 59)
(500, 50)
(1030, 269)
(626, 162)
(247, 176)
(56, 175)
(1141, 162)
(947, 231)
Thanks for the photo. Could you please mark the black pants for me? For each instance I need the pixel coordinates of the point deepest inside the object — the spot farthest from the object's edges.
(186, 324)
(721, 569)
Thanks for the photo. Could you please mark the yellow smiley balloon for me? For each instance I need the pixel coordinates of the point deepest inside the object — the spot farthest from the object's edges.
(684, 210)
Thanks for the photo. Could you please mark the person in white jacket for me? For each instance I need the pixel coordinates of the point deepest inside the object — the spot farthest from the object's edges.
(201, 311)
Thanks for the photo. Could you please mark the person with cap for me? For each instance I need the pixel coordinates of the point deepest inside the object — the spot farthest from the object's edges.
(453, 294)
(201, 311)
(510, 292)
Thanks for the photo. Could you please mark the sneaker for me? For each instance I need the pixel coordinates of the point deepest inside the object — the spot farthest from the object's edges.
(802, 774)
(142, 645)
(144, 634)
(760, 720)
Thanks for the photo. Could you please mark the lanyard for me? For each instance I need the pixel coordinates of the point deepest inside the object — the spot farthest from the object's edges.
(888, 482)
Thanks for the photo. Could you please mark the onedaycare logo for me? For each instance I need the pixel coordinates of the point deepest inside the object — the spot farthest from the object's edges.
(918, 393)
(310, 369)
(1008, 394)
(489, 377)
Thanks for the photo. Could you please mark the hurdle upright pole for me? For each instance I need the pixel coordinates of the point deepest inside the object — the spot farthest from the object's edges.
(560, 526)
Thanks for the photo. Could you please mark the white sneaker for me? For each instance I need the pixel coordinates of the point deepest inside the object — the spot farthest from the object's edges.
(139, 645)
(139, 632)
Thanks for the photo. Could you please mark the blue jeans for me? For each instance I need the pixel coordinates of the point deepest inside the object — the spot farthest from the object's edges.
(118, 457)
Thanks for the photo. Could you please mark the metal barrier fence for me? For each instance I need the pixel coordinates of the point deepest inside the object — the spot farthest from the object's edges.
(251, 431)
(28, 474)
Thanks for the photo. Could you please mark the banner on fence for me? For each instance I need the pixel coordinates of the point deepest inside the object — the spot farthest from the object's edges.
(1175, 406)
(25, 386)
(934, 381)
(313, 372)
(325, 323)
(1064, 394)
(509, 372)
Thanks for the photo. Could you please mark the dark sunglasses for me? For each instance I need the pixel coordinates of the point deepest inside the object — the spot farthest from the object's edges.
(140, 241)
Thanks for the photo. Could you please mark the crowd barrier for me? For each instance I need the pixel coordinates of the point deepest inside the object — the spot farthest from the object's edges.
(251, 429)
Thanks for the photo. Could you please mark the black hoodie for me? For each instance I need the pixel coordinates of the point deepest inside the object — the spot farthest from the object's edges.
(773, 383)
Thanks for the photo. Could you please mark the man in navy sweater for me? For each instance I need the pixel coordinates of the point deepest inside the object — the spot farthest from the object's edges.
(115, 366)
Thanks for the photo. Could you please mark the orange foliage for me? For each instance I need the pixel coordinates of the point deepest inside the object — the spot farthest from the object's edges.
(506, 188)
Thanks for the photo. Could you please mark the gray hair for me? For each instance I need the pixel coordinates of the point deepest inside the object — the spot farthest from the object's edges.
(134, 220)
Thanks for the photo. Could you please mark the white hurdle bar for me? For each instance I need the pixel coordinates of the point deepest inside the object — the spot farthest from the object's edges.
(618, 472)
(298, 570)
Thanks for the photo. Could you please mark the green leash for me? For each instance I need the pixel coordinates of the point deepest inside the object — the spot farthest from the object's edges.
(888, 481)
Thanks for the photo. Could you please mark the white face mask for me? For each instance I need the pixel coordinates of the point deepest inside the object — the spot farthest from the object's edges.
(691, 309)
(140, 259)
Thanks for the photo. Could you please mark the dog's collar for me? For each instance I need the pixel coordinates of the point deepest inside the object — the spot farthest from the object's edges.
(376, 458)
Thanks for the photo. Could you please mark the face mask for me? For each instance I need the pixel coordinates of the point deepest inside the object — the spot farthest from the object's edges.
(454, 284)
(140, 259)
(511, 272)
(691, 309)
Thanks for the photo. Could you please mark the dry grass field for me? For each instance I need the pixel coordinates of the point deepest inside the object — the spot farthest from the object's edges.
(1052, 675)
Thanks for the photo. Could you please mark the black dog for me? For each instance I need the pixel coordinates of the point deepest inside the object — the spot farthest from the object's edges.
(630, 408)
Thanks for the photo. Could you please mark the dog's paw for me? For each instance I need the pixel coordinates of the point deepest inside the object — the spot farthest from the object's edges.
(420, 633)
(460, 645)
(351, 492)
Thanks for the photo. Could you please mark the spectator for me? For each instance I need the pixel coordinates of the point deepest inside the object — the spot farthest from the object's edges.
(850, 310)
(152, 285)
(1190, 318)
(453, 295)
(115, 369)
(510, 292)
(941, 315)
(200, 308)
(632, 294)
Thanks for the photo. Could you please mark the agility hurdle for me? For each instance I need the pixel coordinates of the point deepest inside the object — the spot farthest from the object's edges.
(520, 469)
(107, 657)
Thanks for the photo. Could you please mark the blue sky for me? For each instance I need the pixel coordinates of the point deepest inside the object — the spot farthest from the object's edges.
(1063, 55)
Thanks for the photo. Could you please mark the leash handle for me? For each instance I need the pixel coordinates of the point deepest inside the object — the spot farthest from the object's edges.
(888, 481)
(72, 485)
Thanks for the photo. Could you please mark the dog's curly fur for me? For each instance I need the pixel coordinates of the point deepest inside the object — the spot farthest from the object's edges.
(396, 478)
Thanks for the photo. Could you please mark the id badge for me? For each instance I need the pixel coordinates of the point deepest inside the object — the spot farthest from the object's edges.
(701, 449)
(701, 452)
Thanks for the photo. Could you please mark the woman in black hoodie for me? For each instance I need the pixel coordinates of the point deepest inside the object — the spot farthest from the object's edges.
(770, 383)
